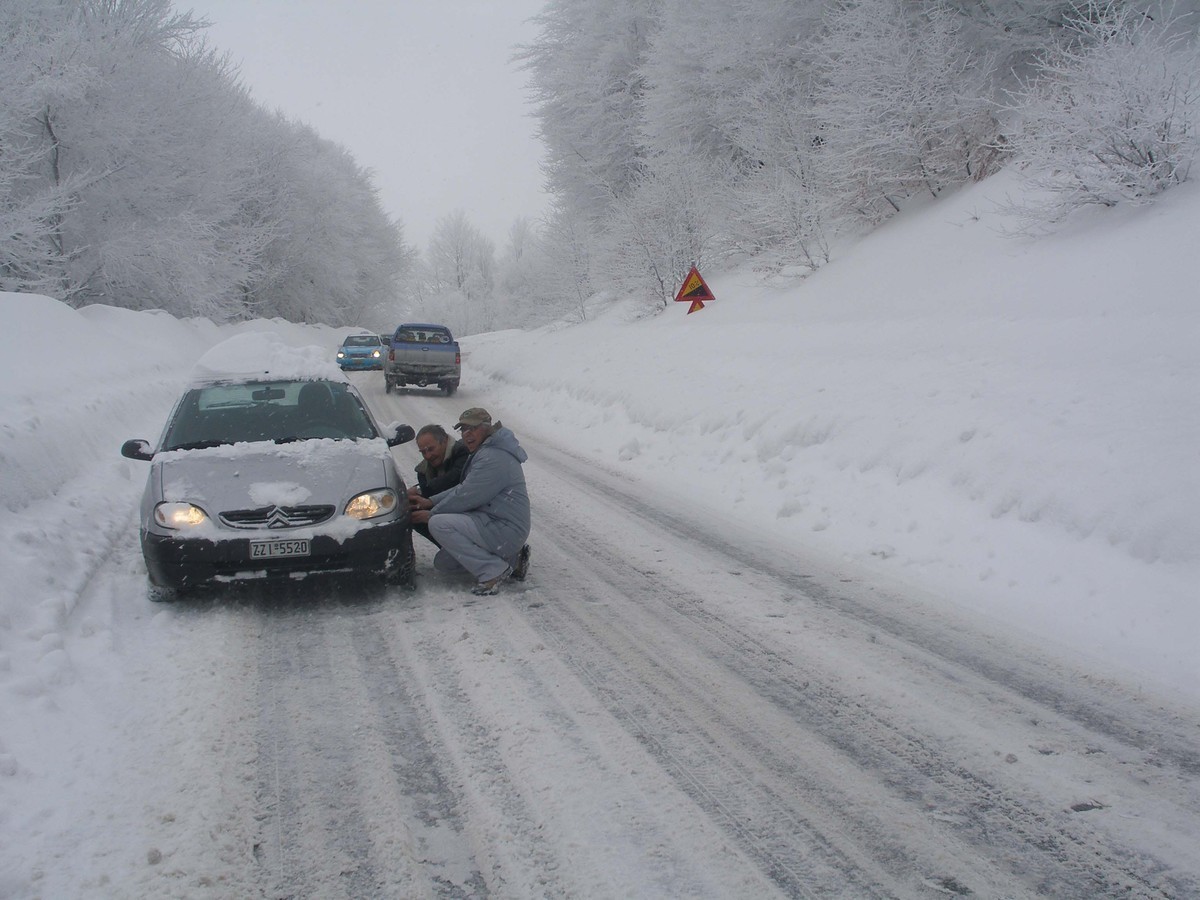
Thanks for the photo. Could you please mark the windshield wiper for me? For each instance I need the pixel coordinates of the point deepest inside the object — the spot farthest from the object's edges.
(198, 445)
(292, 439)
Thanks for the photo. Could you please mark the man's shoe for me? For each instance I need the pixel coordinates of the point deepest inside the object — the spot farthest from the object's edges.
(522, 567)
(488, 588)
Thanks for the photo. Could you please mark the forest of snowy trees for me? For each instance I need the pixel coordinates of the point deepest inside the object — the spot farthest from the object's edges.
(136, 171)
(703, 131)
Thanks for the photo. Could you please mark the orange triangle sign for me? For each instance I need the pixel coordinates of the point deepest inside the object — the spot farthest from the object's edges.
(694, 290)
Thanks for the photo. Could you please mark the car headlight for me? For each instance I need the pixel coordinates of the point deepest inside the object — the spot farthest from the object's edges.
(371, 504)
(376, 354)
(176, 515)
(340, 354)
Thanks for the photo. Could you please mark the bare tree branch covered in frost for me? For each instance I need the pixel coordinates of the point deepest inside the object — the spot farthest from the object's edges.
(704, 57)
(901, 102)
(1112, 115)
(587, 85)
(567, 256)
(743, 103)
(670, 222)
(462, 270)
(784, 215)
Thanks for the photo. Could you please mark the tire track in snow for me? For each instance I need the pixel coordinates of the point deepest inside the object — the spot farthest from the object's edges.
(506, 830)
(564, 801)
(1169, 735)
(1003, 838)
(353, 800)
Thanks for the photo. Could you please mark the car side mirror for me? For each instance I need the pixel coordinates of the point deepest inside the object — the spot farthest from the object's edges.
(404, 434)
(137, 449)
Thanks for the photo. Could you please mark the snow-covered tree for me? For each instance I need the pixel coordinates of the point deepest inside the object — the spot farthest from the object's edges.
(704, 56)
(135, 171)
(784, 209)
(565, 275)
(587, 85)
(671, 221)
(901, 103)
(462, 264)
(517, 273)
(337, 256)
(1112, 115)
(797, 115)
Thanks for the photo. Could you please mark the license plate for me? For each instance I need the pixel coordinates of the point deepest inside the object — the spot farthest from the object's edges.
(274, 549)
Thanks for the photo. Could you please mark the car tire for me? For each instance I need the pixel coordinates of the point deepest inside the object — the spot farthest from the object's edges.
(404, 573)
(449, 387)
(387, 385)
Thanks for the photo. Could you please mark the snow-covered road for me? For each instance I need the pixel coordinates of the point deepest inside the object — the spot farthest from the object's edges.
(669, 706)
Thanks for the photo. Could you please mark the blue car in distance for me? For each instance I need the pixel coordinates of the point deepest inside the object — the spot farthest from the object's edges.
(361, 351)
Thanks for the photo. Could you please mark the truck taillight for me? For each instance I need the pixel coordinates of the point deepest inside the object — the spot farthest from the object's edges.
(392, 355)
(457, 358)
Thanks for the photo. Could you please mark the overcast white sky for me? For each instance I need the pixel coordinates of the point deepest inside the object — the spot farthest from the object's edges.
(424, 94)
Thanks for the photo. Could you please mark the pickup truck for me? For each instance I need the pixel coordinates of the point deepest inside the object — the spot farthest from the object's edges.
(422, 354)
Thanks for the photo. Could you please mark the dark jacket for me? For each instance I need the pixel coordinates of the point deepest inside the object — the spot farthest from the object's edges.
(433, 481)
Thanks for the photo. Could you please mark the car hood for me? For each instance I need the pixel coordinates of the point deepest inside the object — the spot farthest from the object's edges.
(256, 475)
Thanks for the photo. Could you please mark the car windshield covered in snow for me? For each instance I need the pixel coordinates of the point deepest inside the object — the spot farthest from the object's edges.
(234, 412)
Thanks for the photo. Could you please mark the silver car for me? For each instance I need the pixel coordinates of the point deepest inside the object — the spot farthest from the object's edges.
(257, 477)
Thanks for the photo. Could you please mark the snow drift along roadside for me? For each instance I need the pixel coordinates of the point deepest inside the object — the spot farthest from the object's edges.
(1012, 424)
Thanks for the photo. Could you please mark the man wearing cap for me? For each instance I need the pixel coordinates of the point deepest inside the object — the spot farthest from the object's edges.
(482, 523)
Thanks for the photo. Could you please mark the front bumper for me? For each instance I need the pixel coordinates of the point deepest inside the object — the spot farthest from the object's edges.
(179, 563)
(419, 376)
(360, 362)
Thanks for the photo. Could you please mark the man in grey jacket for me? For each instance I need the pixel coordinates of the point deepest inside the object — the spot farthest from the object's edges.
(482, 523)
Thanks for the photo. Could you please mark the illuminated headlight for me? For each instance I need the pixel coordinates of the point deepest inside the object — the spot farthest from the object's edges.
(177, 515)
(341, 354)
(376, 354)
(372, 504)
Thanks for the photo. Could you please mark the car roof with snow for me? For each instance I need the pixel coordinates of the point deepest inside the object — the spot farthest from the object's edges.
(264, 356)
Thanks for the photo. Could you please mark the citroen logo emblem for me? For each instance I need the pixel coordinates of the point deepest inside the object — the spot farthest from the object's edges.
(277, 519)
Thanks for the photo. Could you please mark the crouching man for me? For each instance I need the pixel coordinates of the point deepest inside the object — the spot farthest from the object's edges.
(482, 523)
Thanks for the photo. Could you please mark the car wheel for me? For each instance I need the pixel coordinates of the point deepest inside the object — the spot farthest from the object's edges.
(387, 385)
(404, 572)
(449, 387)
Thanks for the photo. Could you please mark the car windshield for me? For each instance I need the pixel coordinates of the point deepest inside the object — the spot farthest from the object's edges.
(361, 340)
(279, 411)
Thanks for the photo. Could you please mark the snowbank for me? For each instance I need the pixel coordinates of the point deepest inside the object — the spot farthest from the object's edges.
(1011, 424)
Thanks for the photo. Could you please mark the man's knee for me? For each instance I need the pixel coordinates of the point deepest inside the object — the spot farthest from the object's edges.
(444, 562)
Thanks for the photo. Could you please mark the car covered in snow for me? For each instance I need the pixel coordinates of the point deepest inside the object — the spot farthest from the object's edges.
(361, 351)
(271, 465)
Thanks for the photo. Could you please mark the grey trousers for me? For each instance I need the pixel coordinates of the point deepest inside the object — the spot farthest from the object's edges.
(463, 548)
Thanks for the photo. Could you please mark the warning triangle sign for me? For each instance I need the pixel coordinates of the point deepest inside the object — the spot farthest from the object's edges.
(694, 291)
